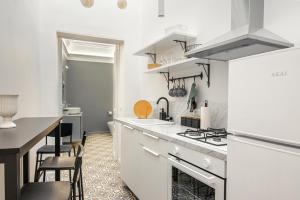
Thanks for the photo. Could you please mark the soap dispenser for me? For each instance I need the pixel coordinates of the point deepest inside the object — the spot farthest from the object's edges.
(162, 115)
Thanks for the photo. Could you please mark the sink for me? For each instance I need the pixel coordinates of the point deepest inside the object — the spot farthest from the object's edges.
(72, 110)
(149, 122)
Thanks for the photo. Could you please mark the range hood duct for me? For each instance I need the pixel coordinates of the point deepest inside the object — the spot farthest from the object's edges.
(246, 37)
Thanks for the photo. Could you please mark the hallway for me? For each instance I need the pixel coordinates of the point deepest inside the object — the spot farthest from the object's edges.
(101, 172)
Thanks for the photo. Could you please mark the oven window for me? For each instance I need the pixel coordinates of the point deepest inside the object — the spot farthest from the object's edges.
(185, 187)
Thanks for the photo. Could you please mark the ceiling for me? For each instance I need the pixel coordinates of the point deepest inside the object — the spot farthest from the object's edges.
(88, 51)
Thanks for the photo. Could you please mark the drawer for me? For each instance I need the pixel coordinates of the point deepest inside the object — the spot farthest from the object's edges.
(202, 160)
(154, 143)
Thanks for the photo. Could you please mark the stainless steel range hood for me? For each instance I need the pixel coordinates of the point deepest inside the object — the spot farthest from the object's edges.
(247, 36)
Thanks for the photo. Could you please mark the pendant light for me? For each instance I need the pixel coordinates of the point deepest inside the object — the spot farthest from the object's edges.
(161, 8)
(122, 4)
(87, 3)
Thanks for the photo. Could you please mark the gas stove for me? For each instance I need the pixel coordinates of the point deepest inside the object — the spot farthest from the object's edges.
(216, 137)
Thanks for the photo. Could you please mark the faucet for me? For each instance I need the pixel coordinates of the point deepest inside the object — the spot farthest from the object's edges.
(164, 98)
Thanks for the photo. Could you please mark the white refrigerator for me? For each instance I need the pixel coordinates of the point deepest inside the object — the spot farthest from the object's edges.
(264, 116)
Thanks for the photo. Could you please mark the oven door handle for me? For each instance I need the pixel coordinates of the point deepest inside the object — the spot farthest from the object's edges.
(192, 172)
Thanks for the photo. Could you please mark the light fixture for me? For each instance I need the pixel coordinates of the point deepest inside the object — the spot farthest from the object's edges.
(122, 4)
(161, 8)
(87, 3)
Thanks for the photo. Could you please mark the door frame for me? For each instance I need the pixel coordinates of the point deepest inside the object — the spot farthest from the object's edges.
(116, 66)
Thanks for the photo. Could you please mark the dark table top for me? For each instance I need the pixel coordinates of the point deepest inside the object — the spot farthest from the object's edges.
(29, 131)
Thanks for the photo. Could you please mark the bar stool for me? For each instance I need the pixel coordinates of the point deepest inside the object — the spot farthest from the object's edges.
(64, 163)
(54, 190)
(66, 131)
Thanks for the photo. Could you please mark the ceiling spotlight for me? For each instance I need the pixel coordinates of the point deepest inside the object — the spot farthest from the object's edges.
(122, 4)
(87, 3)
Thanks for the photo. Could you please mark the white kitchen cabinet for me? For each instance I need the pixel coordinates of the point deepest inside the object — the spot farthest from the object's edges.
(143, 164)
(130, 159)
(154, 170)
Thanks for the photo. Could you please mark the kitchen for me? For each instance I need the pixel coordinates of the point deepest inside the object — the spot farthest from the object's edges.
(231, 137)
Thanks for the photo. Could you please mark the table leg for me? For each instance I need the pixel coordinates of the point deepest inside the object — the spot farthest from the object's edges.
(26, 168)
(12, 176)
(57, 149)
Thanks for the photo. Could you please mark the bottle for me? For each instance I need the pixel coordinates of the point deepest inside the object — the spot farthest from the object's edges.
(205, 116)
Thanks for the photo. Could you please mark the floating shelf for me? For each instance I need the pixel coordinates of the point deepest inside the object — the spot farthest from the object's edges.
(166, 42)
(185, 64)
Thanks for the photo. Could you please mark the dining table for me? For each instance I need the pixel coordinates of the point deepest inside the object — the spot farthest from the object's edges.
(16, 143)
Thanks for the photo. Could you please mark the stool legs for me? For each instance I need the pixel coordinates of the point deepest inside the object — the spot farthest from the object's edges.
(81, 184)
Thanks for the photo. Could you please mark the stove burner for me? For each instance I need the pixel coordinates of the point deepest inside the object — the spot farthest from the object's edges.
(216, 137)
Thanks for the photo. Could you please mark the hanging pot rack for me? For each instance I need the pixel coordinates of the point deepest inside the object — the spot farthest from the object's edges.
(206, 69)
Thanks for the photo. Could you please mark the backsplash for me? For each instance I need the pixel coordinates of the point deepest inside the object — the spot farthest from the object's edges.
(216, 95)
(178, 108)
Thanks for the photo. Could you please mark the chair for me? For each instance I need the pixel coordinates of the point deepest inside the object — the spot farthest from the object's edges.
(64, 163)
(55, 190)
(66, 131)
(75, 144)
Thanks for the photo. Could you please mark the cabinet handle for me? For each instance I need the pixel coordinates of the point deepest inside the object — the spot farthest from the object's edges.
(151, 152)
(128, 127)
(151, 136)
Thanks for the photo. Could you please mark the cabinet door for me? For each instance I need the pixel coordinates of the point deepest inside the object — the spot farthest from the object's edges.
(77, 126)
(154, 176)
(130, 158)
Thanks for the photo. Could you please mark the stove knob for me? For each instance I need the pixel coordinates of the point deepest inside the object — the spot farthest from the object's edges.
(176, 150)
(206, 163)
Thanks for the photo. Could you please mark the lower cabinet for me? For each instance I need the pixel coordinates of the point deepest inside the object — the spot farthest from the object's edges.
(154, 176)
(130, 159)
(143, 167)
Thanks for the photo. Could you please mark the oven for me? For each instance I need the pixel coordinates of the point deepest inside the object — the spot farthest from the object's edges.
(186, 181)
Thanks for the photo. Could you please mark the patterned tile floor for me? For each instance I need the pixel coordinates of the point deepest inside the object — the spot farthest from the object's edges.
(101, 172)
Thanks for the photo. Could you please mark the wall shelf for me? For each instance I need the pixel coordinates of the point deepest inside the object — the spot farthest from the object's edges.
(166, 42)
(184, 64)
(206, 68)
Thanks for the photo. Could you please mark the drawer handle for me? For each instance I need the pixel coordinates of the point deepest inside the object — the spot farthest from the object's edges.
(151, 152)
(151, 136)
(128, 127)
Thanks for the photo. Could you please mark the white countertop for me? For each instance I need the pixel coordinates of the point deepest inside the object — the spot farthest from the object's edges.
(169, 133)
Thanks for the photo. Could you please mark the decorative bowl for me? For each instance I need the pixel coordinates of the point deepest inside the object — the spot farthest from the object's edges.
(8, 109)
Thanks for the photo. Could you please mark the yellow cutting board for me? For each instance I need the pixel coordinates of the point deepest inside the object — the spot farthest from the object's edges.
(142, 109)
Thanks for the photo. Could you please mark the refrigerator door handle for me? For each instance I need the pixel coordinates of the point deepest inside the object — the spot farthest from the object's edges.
(257, 144)
(264, 138)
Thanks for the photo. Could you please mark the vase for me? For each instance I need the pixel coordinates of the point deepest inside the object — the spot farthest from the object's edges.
(8, 109)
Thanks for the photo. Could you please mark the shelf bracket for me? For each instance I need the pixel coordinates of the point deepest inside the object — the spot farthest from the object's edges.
(206, 68)
(152, 56)
(167, 77)
(183, 44)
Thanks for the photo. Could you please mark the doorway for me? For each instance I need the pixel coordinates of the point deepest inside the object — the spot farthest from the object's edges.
(89, 80)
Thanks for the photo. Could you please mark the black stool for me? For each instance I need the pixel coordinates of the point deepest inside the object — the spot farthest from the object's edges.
(66, 131)
(55, 190)
(64, 163)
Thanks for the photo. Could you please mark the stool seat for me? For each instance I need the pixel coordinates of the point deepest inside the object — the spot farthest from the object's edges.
(50, 149)
(46, 191)
(59, 163)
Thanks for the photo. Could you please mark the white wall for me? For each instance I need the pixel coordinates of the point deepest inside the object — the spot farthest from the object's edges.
(103, 20)
(19, 71)
(207, 19)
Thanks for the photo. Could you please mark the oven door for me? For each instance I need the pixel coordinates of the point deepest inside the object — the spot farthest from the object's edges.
(186, 181)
